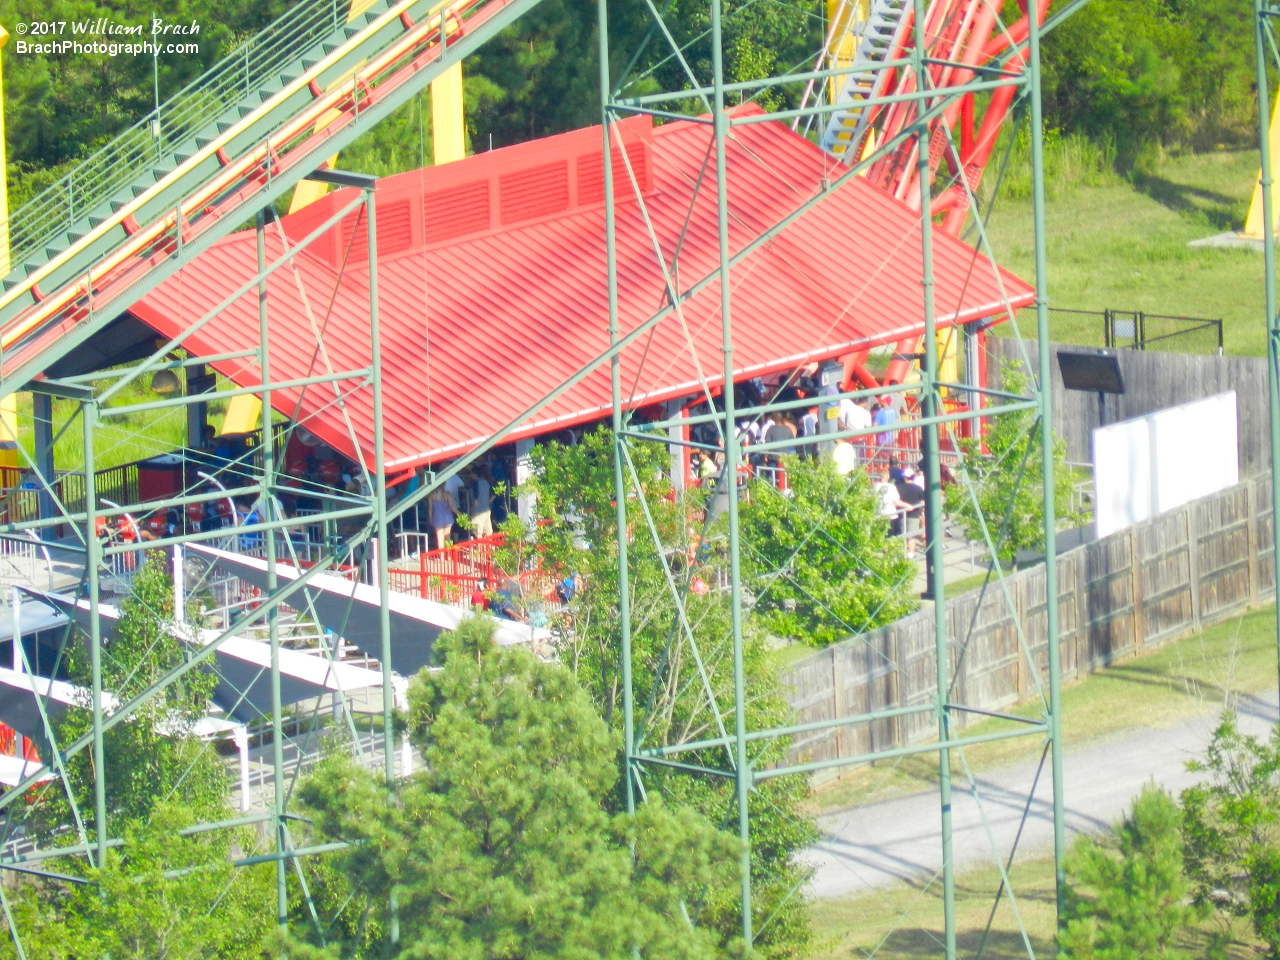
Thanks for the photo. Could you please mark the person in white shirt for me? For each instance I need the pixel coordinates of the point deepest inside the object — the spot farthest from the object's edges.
(853, 415)
(889, 504)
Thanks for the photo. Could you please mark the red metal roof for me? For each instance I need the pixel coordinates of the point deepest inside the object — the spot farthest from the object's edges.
(496, 292)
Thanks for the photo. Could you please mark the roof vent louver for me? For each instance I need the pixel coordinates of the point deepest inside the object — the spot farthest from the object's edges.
(535, 192)
(453, 213)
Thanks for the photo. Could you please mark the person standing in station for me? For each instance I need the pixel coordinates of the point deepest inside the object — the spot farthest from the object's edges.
(886, 415)
(481, 504)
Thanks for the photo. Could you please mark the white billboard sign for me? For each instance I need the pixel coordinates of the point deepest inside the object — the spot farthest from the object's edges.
(1152, 464)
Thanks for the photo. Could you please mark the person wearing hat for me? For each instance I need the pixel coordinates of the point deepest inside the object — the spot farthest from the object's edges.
(912, 495)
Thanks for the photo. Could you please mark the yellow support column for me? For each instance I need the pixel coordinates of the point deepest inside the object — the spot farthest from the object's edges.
(1253, 223)
(448, 133)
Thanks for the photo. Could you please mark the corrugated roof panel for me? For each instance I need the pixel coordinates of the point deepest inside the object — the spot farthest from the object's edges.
(478, 329)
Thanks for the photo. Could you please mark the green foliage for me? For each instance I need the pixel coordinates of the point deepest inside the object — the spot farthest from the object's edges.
(159, 780)
(1009, 470)
(680, 697)
(1070, 160)
(152, 759)
(1150, 73)
(504, 845)
(132, 911)
(1231, 822)
(59, 108)
(822, 563)
(1128, 894)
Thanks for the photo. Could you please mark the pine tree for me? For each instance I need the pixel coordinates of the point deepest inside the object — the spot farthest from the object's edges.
(502, 846)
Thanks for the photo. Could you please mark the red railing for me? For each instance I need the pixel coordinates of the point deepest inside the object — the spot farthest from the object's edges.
(454, 573)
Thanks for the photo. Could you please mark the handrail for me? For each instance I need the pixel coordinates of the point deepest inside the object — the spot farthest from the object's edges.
(300, 136)
(255, 157)
(179, 119)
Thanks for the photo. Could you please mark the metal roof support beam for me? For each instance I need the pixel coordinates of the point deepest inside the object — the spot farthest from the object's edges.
(923, 422)
(264, 388)
(859, 394)
(98, 375)
(640, 330)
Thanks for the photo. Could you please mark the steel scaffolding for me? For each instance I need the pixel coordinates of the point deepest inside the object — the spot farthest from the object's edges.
(370, 513)
(914, 139)
(1266, 51)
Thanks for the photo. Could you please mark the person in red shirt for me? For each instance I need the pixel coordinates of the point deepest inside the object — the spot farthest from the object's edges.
(478, 598)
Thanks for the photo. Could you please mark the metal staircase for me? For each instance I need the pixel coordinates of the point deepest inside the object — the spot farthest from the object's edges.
(130, 215)
(847, 129)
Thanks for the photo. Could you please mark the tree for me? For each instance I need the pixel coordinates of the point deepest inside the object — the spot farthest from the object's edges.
(165, 897)
(682, 667)
(1232, 827)
(503, 845)
(821, 562)
(1128, 894)
(154, 758)
(1000, 483)
(161, 895)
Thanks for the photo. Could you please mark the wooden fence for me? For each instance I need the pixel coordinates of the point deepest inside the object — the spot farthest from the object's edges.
(1118, 596)
(1154, 381)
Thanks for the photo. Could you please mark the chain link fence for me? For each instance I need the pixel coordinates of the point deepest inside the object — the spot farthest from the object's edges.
(1125, 330)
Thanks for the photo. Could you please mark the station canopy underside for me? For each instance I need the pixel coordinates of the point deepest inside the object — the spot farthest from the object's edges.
(492, 280)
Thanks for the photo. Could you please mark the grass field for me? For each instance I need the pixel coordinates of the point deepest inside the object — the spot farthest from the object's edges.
(905, 921)
(120, 439)
(1199, 674)
(1122, 244)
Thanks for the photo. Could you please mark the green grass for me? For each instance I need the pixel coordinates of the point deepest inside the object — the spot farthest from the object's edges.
(1196, 675)
(1123, 244)
(119, 439)
(905, 920)
(784, 657)
(957, 587)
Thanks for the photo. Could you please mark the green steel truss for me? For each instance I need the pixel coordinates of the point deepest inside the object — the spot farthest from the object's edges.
(702, 96)
(1266, 52)
(56, 234)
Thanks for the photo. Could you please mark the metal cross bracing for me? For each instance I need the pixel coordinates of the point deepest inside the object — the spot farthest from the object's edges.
(256, 645)
(132, 214)
(211, 179)
(923, 69)
(1266, 55)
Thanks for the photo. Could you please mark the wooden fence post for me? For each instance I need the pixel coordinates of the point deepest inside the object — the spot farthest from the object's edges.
(1251, 530)
(837, 698)
(1193, 564)
(1137, 593)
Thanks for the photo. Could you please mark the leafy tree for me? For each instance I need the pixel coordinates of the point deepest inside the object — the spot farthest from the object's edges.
(1128, 893)
(821, 561)
(1231, 823)
(159, 779)
(210, 910)
(680, 697)
(1006, 467)
(154, 758)
(58, 108)
(503, 845)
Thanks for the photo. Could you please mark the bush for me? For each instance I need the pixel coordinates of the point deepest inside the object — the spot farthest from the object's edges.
(821, 562)
(1009, 469)
(1128, 894)
(1232, 828)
